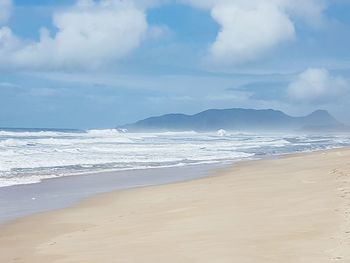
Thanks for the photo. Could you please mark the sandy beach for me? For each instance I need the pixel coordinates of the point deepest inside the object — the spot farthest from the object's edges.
(291, 209)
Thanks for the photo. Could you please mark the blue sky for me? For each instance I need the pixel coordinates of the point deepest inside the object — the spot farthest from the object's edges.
(97, 64)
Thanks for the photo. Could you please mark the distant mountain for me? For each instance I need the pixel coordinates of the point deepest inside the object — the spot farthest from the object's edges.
(238, 119)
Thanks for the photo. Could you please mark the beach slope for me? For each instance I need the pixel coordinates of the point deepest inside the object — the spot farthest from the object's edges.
(291, 209)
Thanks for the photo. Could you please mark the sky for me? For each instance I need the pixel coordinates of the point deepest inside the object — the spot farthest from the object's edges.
(98, 64)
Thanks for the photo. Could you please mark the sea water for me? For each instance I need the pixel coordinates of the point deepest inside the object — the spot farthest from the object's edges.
(29, 156)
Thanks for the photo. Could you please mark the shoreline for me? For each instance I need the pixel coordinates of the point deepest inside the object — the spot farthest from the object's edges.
(20, 201)
(14, 204)
(199, 208)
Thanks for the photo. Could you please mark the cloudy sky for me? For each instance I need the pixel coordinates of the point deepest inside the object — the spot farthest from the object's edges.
(90, 64)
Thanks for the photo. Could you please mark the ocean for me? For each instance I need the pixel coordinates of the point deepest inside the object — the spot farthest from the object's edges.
(28, 156)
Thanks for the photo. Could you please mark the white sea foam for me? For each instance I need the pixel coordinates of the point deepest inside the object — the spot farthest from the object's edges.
(221, 133)
(34, 133)
(104, 133)
(30, 156)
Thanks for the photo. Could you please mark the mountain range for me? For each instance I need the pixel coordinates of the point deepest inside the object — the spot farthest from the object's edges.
(239, 120)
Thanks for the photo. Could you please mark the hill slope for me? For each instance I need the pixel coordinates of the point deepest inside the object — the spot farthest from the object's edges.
(237, 119)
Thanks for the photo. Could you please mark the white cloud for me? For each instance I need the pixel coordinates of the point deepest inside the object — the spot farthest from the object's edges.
(250, 29)
(317, 85)
(8, 41)
(248, 33)
(5, 10)
(93, 33)
(90, 34)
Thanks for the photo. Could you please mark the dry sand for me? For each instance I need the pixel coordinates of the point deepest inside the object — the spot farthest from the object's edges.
(291, 209)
